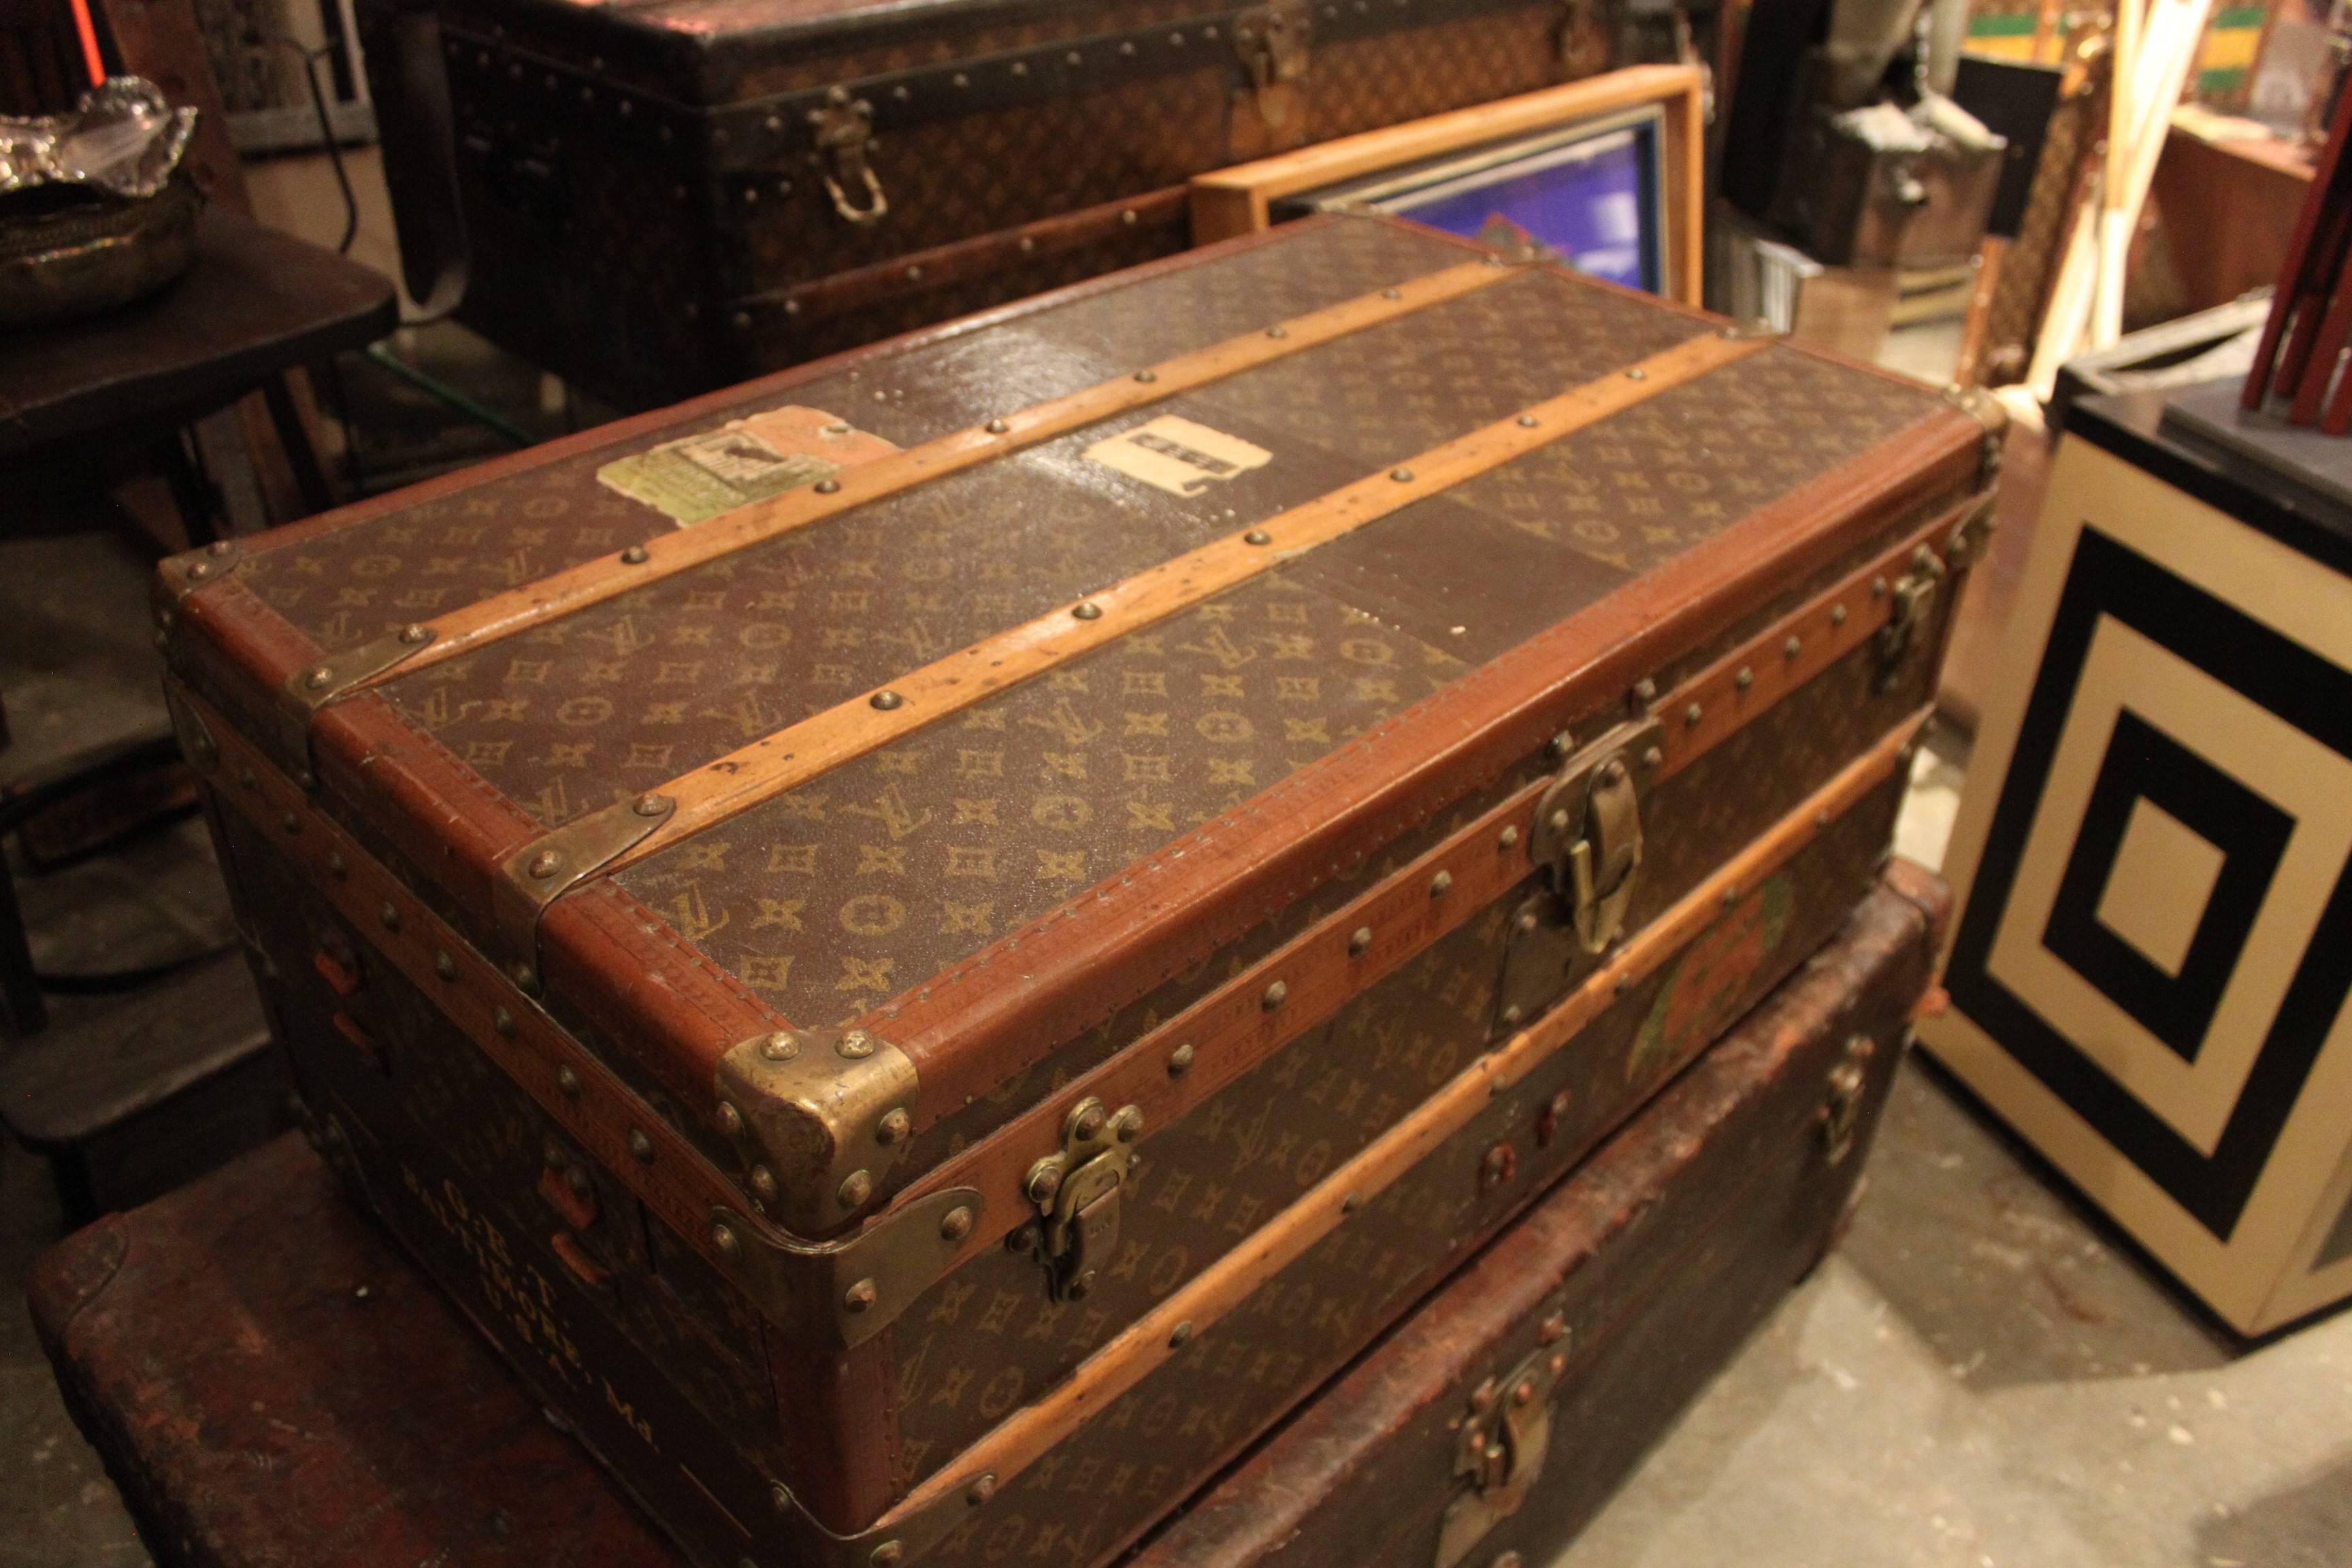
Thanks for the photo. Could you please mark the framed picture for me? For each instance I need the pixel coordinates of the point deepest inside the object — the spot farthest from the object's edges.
(1604, 173)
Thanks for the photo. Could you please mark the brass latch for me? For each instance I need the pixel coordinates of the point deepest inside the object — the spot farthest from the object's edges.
(1841, 1113)
(1077, 1196)
(844, 129)
(1589, 828)
(1274, 44)
(1505, 1439)
(1914, 601)
(1584, 41)
(1588, 839)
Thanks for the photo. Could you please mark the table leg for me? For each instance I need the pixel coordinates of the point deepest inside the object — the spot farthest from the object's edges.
(309, 477)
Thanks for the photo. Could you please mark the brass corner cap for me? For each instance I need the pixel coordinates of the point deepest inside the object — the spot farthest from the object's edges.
(819, 1117)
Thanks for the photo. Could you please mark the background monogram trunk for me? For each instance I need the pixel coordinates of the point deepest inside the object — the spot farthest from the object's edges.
(825, 176)
(854, 921)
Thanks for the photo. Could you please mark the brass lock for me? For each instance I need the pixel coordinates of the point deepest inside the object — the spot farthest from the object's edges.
(1077, 1195)
(844, 129)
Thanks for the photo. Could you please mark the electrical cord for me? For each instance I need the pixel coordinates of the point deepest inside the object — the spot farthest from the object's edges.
(310, 59)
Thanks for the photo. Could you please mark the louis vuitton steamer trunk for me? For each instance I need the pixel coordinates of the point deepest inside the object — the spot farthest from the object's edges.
(1491, 1426)
(655, 197)
(851, 921)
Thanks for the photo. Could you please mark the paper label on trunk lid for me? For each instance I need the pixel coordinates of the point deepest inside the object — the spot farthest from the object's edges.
(696, 477)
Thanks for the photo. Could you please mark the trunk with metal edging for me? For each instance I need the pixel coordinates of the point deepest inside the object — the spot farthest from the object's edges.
(1611, 1303)
(653, 197)
(923, 882)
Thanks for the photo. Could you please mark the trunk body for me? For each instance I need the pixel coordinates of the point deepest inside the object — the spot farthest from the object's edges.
(823, 176)
(869, 910)
(1642, 1274)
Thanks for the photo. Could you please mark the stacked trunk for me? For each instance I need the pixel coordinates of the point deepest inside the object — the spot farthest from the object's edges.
(655, 197)
(928, 945)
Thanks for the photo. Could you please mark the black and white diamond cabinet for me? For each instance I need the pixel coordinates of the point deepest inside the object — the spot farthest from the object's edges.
(2148, 974)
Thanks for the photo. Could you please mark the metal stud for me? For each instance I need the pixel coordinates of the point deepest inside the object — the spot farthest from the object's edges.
(1837, 614)
(568, 1081)
(854, 1189)
(1508, 839)
(503, 1022)
(1147, 375)
(390, 915)
(1277, 332)
(997, 427)
(1691, 714)
(1359, 941)
(319, 678)
(1637, 373)
(1745, 678)
(763, 1183)
(634, 555)
(1180, 1061)
(1402, 476)
(1791, 648)
(730, 1120)
(1087, 612)
(1273, 996)
(651, 804)
(855, 1045)
(1392, 294)
(1257, 536)
(545, 864)
(894, 1127)
(984, 1487)
(336, 866)
(956, 1224)
(886, 701)
(1441, 884)
(641, 1148)
(1181, 1335)
(443, 964)
(860, 1297)
(829, 487)
(723, 1238)
(1527, 422)
(1645, 692)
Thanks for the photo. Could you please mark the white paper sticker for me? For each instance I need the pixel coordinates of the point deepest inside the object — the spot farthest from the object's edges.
(1178, 456)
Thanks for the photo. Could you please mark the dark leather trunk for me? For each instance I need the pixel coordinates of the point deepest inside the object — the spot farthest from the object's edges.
(1614, 1301)
(844, 989)
(656, 199)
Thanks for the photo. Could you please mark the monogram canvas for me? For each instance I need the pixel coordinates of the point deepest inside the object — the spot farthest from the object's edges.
(952, 931)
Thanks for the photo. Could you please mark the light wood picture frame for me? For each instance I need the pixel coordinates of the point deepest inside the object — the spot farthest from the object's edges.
(1242, 199)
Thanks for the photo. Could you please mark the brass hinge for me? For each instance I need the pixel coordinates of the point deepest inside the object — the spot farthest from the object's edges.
(1505, 1439)
(1587, 837)
(1912, 603)
(1077, 1194)
(554, 863)
(844, 129)
(819, 1116)
(1841, 1114)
